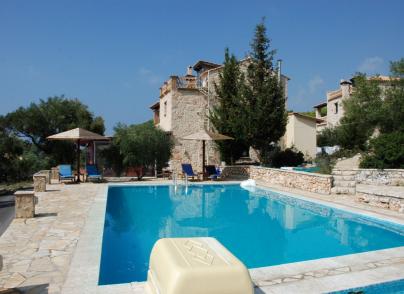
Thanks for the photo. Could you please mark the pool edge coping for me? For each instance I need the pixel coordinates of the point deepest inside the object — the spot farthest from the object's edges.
(83, 273)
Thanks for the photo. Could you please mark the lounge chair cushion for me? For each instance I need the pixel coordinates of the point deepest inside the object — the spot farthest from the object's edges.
(187, 169)
(65, 171)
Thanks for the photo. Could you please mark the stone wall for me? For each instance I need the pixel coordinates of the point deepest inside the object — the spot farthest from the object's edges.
(389, 177)
(236, 172)
(311, 182)
(388, 197)
(380, 188)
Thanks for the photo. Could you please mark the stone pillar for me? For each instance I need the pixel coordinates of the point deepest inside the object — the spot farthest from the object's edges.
(48, 176)
(25, 204)
(40, 181)
(55, 173)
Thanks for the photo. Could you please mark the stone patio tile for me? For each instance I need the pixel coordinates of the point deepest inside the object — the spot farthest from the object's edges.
(20, 266)
(42, 264)
(61, 261)
(118, 288)
(14, 281)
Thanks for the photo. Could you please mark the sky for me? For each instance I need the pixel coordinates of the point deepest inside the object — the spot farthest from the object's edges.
(114, 55)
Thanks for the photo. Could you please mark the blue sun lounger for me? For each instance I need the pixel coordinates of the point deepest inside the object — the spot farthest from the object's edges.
(212, 172)
(65, 172)
(92, 172)
(188, 171)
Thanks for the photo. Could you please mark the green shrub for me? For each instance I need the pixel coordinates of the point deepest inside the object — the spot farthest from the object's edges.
(287, 157)
(138, 146)
(327, 137)
(325, 163)
(386, 151)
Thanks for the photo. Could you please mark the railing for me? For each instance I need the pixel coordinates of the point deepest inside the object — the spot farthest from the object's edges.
(185, 82)
(175, 181)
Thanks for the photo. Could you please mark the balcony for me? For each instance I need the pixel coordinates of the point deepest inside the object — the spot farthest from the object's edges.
(175, 82)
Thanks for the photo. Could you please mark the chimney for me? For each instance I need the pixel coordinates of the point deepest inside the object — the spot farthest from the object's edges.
(189, 71)
(279, 69)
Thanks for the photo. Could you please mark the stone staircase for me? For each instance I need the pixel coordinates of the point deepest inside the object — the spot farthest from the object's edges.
(344, 182)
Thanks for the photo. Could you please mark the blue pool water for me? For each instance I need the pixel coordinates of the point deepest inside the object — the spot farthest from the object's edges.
(394, 287)
(260, 227)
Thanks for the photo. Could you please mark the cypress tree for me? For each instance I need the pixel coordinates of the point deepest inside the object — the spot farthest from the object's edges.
(227, 115)
(263, 97)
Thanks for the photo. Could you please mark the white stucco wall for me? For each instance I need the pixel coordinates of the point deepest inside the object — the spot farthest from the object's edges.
(301, 134)
(166, 114)
(333, 117)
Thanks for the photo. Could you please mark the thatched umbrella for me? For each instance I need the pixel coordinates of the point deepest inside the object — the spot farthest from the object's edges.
(79, 136)
(204, 135)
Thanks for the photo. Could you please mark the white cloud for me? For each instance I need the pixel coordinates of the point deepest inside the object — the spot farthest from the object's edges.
(371, 64)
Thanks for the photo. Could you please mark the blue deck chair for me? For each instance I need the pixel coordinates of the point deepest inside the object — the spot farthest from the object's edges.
(65, 172)
(212, 172)
(92, 172)
(188, 171)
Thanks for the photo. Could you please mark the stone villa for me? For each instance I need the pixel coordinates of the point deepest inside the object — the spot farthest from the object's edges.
(183, 107)
(329, 113)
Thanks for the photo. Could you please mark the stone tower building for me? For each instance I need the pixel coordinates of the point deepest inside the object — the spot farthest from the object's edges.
(183, 108)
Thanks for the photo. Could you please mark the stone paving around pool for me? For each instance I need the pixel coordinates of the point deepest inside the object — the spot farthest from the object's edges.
(59, 250)
(37, 251)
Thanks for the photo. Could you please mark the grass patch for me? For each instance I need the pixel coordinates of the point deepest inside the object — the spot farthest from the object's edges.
(10, 188)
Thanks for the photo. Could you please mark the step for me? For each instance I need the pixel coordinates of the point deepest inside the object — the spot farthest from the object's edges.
(343, 190)
(344, 178)
(382, 191)
(344, 172)
(344, 183)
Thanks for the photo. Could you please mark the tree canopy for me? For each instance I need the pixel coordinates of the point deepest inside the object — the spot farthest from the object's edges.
(228, 116)
(141, 145)
(24, 148)
(53, 115)
(251, 104)
(361, 114)
(264, 98)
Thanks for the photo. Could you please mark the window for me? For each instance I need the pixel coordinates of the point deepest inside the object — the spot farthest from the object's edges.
(336, 107)
(165, 108)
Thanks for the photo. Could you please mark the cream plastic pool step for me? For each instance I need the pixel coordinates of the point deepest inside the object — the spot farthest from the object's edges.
(197, 266)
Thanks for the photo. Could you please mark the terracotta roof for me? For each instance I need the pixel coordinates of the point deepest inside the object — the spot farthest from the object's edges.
(198, 65)
(383, 78)
(155, 105)
(317, 120)
(320, 105)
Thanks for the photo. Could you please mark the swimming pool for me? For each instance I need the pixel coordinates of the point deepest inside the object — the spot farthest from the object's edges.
(259, 226)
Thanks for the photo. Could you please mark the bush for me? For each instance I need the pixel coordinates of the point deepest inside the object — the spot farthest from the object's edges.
(327, 137)
(138, 146)
(386, 151)
(287, 157)
(325, 163)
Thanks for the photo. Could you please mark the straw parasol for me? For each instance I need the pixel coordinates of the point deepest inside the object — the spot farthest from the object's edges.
(79, 136)
(204, 135)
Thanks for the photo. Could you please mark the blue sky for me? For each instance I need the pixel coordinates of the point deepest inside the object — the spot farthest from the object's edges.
(114, 55)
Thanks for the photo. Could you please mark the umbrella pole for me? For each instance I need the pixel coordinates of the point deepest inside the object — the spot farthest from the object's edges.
(78, 161)
(203, 158)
